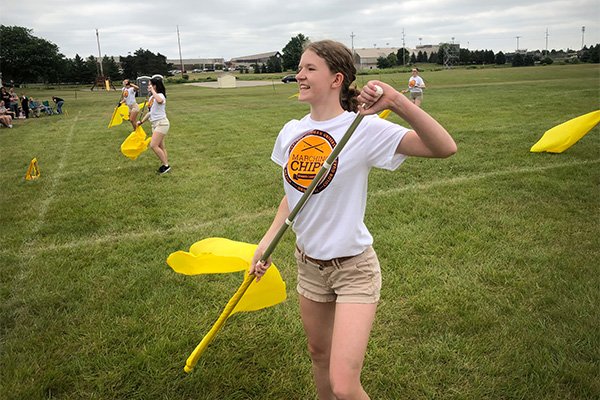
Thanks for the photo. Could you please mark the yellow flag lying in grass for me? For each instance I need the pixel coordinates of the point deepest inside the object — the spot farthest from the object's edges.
(219, 255)
(565, 135)
(135, 144)
(120, 114)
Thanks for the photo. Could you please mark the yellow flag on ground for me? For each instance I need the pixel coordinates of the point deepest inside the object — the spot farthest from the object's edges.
(120, 114)
(565, 135)
(33, 171)
(219, 255)
(135, 144)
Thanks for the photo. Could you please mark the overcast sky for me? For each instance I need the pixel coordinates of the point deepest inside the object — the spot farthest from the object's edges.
(230, 28)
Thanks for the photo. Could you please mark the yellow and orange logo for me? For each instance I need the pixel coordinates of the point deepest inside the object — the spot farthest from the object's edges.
(307, 156)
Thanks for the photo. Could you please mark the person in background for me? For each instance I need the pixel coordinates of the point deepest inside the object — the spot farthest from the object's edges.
(128, 97)
(415, 87)
(157, 103)
(35, 107)
(25, 106)
(4, 96)
(339, 277)
(59, 103)
(5, 117)
(13, 104)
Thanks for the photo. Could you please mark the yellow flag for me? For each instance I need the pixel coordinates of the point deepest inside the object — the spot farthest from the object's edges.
(33, 171)
(384, 114)
(135, 144)
(219, 255)
(120, 114)
(565, 135)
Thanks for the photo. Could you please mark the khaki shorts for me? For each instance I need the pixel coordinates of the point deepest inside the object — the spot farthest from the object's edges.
(416, 95)
(161, 126)
(354, 279)
(133, 107)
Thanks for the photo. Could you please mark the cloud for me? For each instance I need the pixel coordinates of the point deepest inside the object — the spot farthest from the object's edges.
(236, 28)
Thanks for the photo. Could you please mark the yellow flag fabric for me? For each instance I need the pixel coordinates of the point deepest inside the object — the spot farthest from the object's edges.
(33, 171)
(120, 114)
(565, 135)
(385, 113)
(219, 255)
(135, 144)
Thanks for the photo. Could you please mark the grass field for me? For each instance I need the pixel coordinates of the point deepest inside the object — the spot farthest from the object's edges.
(491, 279)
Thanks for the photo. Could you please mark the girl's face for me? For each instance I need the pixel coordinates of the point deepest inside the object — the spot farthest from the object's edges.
(315, 80)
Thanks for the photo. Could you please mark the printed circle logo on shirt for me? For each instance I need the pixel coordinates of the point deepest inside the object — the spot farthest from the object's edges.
(306, 157)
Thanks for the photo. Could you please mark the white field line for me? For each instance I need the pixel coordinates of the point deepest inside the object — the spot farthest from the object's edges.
(119, 237)
(481, 176)
(45, 203)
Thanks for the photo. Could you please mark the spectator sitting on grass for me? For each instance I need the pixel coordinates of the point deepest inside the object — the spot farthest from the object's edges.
(6, 111)
(5, 118)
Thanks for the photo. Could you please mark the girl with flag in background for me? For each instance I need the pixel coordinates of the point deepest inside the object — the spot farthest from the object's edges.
(128, 97)
(339, 278)
(157, 103)
(416, 84)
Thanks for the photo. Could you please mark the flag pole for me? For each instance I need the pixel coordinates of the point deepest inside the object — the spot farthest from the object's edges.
(193, 358)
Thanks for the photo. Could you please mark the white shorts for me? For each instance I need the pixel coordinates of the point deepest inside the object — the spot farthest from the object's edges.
(161, 126)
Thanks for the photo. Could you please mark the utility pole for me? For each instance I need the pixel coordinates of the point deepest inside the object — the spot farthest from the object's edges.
(518, 42)
(547, 42)
(403, 48)
(99, 53)
(352, 38)
(582, 32)
(179, 44)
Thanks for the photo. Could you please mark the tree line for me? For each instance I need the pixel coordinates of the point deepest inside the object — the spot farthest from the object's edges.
(25, 58)
(482, 57)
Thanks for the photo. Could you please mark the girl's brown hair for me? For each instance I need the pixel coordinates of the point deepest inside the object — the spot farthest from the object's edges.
(339, 59)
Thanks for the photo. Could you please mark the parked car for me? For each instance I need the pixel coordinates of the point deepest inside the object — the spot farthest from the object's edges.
(289, 78)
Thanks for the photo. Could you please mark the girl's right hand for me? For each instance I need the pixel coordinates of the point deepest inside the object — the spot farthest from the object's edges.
(257, 267)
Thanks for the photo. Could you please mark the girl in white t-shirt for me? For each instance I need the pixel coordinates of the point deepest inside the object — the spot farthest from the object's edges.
(128, 97)
(157, 114)
(338, 272)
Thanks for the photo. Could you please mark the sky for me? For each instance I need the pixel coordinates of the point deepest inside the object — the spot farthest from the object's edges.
(231, 28)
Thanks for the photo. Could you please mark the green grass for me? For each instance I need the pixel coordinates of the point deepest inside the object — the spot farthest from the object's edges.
(490, 258)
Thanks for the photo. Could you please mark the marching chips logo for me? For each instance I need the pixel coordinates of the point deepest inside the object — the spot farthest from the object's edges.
(307, 156)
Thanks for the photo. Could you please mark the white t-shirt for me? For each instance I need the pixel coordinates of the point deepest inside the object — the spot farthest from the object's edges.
(418, 81)
(331, 224)
(158, 110)
(129, 95)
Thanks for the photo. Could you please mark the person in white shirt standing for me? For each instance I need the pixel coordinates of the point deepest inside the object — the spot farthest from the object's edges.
(416, 84)
(157, 103)
(339, 277)
(128, 97)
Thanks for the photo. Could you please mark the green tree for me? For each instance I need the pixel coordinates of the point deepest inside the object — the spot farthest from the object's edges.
(111, 68)
(144, 62)
(517, 60)
(403, 56)
(500, 58)
(392, 59)
(26, 58)
(383, 62)
(292, 52)
(274, 64)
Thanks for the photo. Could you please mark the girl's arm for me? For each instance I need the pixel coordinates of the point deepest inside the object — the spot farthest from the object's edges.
(257, 268)
(427, 139)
